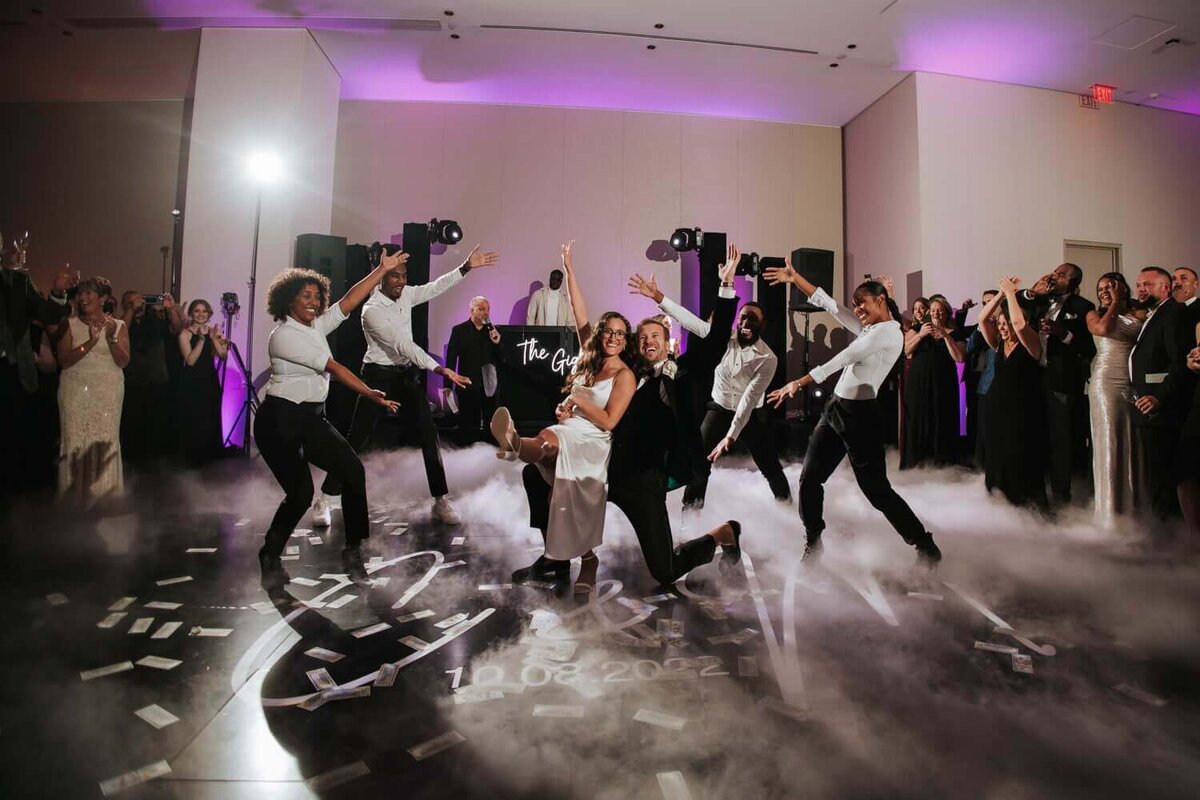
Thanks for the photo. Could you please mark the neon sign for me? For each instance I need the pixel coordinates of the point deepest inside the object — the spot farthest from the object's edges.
(559, 361)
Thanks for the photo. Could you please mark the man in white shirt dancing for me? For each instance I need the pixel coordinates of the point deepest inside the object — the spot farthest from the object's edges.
(393, 364)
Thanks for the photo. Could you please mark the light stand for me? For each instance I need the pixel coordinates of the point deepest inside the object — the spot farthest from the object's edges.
(807, 310)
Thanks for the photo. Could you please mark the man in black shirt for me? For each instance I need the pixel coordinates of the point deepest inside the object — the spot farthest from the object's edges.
(473, 353)
(145, 436)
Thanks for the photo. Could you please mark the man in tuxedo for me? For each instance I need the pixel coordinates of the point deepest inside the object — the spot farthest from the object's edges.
(551, 305)
(1183, 287)
(1163, 385)
(1067, 352)
(473, 353)
(645, 464)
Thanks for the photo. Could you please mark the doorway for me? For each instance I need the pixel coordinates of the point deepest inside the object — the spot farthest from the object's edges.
(1095, 259)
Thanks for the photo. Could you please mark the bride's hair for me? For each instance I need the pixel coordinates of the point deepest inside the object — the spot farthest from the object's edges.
(591, 359)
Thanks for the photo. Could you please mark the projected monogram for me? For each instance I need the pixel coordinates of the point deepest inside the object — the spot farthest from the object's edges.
(559, 361)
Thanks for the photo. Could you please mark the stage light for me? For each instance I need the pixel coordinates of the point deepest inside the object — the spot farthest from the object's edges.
(445, 231)
(748, 264)
(264, 167)
(685, 239)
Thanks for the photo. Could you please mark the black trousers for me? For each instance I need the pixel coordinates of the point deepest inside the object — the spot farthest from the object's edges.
(402, 384)
(475, 410)
(756, 436)
(854, 428)
(1154, 449)
(643, 498)
(291, 436)
(144, 435)
(1067, 426)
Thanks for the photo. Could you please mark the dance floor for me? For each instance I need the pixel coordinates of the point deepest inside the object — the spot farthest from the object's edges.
(142, 659)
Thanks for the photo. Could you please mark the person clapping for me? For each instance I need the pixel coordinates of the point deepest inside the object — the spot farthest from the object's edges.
(199, 399)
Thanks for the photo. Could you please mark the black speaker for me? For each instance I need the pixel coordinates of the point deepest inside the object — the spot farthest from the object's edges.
(774, 301)
(415, 241)
(817, 267)
(324, 254)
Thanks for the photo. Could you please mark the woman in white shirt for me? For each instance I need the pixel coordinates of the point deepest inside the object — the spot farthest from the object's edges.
(852, 423)
(291, 429)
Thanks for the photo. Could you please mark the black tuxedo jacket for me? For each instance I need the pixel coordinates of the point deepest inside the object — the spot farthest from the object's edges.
(1068, 363)
(469, 349)
(650, 436)
(1158, 365)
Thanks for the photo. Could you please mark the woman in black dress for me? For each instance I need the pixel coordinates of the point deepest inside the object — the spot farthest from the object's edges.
(931, 397)
(1014, 423)
(199, 389)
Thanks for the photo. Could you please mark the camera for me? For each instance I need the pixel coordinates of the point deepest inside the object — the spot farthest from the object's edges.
(153, 299)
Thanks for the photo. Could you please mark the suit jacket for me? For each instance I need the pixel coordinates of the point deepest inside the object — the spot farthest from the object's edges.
(20, 305)
(537, 309)
(694, 382)
(1068, 358)
(650, 436)
(1158, 364)
(470, 348)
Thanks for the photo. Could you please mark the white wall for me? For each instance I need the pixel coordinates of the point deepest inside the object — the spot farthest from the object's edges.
(883, 189)
(1008, 173)
(256, 90)
(522, 180)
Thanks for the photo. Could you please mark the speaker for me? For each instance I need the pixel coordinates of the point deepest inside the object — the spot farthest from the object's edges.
(324, 254)
(817, 267)
(414, 239)
(774, 301)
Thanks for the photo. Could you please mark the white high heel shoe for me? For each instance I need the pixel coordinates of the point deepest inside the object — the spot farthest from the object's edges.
(505, 433)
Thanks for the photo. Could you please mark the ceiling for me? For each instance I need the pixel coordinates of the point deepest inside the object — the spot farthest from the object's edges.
(756, 59)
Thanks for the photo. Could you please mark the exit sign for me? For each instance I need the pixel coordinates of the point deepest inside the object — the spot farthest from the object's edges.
(1102, 93)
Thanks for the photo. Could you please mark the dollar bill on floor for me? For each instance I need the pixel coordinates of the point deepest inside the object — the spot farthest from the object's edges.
(321, 679)
(263, 607)
(659, 719)
(539, 584)
(457, 540)
(336, 777)
(748, 666)
(335, 576)
(375, 560)
(305, 582)
(156, 716)
(380, 583)
(670, 628)
(996, 648)
(469, 695)
(1141, 695)
(158, 662)
(415, 616)
(200, 550)
(637, 606)
(345, 599)
(122, 604)
(242, 522)
(925, 596)
(134, 778)
(713, 611)
(673, 786)
(387, 675)
(493, 587)
(112, 619)
(302, 531)
(370, 630)
(659, 598)
(564, 712)
(346, 692)
(450, 622)
(173, 581)
(101, 672)
(140, 625)
(436, 745)
(165, 630)
(314, 702)
(57, 599)
(324, 655)
(163, 605)
(315, 540)
(416, 643)
(289, 558)
(1022, 663)
(211, 633)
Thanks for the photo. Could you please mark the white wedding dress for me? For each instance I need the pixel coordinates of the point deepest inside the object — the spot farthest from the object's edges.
(579, 480)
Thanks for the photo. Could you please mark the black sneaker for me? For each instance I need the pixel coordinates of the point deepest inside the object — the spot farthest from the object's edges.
(812, 552)
(544, 569)
(274, 576)
(352, 563)
(928, 554)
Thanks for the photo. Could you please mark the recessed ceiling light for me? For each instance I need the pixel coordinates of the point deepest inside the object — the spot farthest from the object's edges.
(834, 65)
(651, 47)
(851, 46)
(658, 26)
(454, 36)
(448, 13)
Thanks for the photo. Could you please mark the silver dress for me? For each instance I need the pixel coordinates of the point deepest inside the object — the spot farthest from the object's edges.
(1111, 407)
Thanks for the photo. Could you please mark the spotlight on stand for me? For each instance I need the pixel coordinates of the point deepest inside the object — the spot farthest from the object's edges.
(445, 231)
(748, 264)
(264, 167)
(685, 239)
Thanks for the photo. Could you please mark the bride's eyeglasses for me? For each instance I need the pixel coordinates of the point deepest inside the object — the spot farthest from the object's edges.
(614, 333)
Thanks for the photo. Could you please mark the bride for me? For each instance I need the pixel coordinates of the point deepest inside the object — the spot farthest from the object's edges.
(572, 456)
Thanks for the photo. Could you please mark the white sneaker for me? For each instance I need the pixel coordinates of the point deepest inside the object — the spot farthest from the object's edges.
(444, 513)
(320, 512)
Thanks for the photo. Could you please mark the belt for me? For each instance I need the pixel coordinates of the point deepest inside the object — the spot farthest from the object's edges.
(393, 367)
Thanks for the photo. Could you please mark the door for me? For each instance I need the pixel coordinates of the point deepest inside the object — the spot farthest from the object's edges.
(1095, 259)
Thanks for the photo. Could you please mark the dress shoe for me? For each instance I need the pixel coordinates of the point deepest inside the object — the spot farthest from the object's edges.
(352, 563)
(928, 554)
(731, 554)
(444, 513)
(274, 576)
(505, 434)
(544, 569)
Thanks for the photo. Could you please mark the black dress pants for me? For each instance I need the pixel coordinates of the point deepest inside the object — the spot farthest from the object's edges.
(757, 438)
(291, 436)
(1067, 424)
(854, 428)
(475, 410)
(402, 384)
(1154, 449)
(643, 498)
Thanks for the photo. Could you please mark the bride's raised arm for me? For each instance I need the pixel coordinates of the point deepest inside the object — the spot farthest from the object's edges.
(583, 326)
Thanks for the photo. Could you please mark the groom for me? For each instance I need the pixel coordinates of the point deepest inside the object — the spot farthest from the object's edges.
(646, 455)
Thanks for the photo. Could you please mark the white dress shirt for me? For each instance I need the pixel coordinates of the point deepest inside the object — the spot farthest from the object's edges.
(867, 361)
(740, 382)
(387, 323)
(299, 354)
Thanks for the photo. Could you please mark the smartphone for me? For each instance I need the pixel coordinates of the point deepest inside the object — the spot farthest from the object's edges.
(153, 299)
